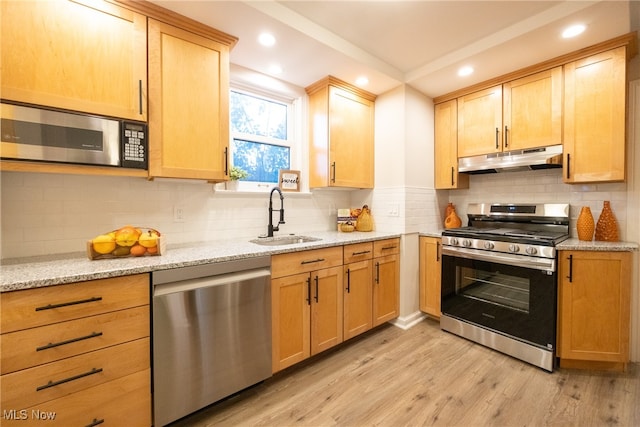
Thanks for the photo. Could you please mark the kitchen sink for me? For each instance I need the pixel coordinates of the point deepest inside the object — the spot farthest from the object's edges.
(283, 240)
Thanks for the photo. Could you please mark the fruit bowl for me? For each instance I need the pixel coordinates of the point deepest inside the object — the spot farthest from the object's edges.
(127, 241)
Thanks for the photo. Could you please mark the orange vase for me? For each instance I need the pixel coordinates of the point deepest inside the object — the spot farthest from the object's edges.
(607, 226)
(452, 220)
(448, 210)
(585, 224)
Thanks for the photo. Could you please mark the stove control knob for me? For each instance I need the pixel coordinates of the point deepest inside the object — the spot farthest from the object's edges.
(466, 243)
(514, 248)
(454, 241)
(489, 245)
(531, 250)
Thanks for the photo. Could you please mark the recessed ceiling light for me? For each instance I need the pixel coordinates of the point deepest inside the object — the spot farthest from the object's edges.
(465, 71)
(266, 39)
(362, 81)
(573, 31)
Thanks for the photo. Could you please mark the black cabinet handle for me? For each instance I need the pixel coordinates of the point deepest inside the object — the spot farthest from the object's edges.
(452, 170)
(497, 134)
(506, 136)
(570, 276)
(438, 251)
(95, 422)
(359, 253)
(377, 272)
(309, 290)
(316, 297)
(58, 344)
(348, 280)
(312, 261)
(140, 95)
(568, 165)
(66, 304)
(333, 172)
(226, 160)
(386, 248)
(66, 380)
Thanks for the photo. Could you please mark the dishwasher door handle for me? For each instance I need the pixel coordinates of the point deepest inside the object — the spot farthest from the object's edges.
(206, 282)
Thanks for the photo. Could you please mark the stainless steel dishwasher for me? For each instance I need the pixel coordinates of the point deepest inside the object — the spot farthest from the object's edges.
(211, 334)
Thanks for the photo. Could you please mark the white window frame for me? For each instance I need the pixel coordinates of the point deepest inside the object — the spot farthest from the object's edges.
(294, 140)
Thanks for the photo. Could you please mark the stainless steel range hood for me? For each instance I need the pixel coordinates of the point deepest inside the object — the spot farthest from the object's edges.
(530, 159)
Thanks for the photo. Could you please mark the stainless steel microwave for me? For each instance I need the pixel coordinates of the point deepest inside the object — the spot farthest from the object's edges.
(39, 134)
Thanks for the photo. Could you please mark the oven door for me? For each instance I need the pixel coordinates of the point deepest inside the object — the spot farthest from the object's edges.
(497, 292)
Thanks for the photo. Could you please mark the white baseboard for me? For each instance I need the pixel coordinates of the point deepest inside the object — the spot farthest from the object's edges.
(406, 322)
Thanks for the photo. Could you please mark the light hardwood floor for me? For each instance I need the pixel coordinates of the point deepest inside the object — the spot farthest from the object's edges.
(423, 376)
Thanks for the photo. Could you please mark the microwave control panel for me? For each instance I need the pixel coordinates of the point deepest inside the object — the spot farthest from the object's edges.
(134, 146)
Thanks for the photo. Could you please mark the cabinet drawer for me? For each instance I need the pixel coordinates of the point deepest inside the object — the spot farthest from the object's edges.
(33, 386)
(32, 347)
(305, 261)
(43, 306)
(122, 402)
(358, 252)
(386, 247)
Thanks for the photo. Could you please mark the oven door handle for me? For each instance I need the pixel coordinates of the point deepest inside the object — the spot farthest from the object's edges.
(544, 264)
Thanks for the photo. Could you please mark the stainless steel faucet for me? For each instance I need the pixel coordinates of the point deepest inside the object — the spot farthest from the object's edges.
(271, 228)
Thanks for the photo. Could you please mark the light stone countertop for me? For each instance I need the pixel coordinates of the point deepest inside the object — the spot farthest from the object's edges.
(574, 244)
(35, 272)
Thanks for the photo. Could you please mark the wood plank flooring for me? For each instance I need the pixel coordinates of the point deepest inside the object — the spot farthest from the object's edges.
(423, 377)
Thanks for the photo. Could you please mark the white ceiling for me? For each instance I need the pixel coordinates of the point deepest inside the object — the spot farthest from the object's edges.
(420, 43)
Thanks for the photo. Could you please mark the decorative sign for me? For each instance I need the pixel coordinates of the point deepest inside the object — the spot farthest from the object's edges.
(289, 180)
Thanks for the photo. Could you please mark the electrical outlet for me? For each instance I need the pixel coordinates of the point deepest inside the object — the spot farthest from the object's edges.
(178, 214)
(394, 210)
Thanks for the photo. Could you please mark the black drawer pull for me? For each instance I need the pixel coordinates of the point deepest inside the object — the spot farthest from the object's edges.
(359, 253)
(58, 344)
(386, 248)
(66, 380)
(312, 261)
(65, 304)
(95, 422)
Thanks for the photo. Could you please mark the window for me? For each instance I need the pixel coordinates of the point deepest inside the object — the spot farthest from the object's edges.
(261, 141)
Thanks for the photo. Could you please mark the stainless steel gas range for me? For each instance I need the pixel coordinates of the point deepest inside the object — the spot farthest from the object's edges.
(499, 278)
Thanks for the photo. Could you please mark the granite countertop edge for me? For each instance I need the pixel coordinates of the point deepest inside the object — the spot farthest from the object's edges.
(42, 271)
(573, 244)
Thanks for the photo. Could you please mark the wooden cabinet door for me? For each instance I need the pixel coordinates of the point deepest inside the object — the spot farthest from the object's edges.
(480, 122)
(594, 118)
(386, 288)
(188, 104)
(532, 111)
(446, 147)
(430, 273)
(63, 54)
(326, 309)
(594, 306)
(291, 317)
(358, 298)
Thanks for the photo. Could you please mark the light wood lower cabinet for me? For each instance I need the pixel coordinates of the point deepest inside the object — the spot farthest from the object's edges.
(594, 309)
(358, 289)
(386, 280)
(317, 302)
(307, 306)
(77, 354)
(430, 275)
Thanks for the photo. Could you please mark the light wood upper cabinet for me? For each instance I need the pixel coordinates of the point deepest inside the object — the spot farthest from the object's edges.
(188, 104)
(520, 114)
(480, 122)
(446, 147)
(594, 118)
(341, 132)
(88, 56)
(532, 111)
(430, 274)
(594, 307)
